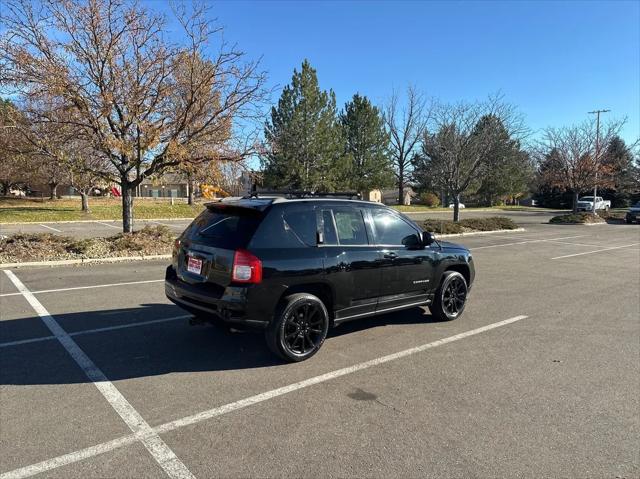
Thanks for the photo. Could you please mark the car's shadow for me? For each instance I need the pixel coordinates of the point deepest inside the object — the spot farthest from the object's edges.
(148, 350)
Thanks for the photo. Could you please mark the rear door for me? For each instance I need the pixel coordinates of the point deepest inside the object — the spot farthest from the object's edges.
(407, 269)
(208, 245)
(351, 260)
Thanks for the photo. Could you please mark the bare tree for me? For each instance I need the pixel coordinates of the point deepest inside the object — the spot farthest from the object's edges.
(464, 140)
(406, 125)
(567, 157)
(143, 101)
(16, 167)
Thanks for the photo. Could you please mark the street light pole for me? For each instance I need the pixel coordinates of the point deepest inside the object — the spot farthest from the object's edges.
(595, 185)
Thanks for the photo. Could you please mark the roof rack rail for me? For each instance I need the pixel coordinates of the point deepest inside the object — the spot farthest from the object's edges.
(304, 194)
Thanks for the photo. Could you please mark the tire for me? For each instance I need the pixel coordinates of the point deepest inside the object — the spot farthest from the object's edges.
(628, 221)
(299, 327)
(451, 297)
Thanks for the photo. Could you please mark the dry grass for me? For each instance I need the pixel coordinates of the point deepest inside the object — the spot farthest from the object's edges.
(577, 219)
(150, 240)
(469, 225)
(27, 210)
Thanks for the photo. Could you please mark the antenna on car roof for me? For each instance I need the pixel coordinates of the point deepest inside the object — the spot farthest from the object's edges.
(305, 194)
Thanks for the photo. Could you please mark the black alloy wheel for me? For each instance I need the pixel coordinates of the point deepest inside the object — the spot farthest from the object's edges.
(451, 297)
(454, 296)
(299, 327)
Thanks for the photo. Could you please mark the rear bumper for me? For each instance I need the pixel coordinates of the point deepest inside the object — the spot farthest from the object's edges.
(233, 307)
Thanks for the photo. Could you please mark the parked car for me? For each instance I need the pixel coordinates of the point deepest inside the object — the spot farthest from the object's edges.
(296, 265)
(586, 203)
(633, 214)
(452, 205)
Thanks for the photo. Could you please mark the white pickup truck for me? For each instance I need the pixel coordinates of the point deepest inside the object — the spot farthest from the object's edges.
(586, 203)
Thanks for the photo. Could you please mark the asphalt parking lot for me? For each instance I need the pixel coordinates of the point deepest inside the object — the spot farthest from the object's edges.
(539, 378)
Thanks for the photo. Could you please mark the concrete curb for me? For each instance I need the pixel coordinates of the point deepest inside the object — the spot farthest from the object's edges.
(475, 233)
(92, 221)
(65, 262)
(580, 224)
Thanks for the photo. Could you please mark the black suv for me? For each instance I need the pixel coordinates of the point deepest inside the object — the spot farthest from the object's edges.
(297, 265)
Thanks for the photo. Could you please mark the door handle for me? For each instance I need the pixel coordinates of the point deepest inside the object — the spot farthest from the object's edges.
(390, 255)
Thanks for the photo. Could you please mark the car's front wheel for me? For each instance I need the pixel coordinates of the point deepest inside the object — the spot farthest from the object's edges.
(451, 297)
(299, 327)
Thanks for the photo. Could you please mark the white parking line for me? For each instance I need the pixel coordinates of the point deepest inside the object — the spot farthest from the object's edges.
(95, 330)
(49, 227)
(596, 251)
(158, 449)
(74, 288)
(92, 451)
(107, 224)
(524, 242)
(168, 225)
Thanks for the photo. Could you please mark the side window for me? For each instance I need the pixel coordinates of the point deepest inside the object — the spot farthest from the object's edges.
(350, 227)
(302, 225)
(292, 228)
(392, 230)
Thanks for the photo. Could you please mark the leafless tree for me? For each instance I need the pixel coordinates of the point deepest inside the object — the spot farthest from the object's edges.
(463, 140)
(144, 101)
(406, 125)
(567, 157)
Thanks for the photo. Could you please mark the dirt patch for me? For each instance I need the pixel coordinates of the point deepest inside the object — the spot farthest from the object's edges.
(150, 240)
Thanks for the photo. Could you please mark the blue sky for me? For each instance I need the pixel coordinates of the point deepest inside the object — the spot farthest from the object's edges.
(555, 60)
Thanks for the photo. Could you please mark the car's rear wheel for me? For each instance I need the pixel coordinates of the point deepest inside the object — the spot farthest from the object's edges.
(451, 297)
(299, 327)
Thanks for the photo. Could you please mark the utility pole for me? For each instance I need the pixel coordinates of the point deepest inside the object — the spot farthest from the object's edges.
(595, 185)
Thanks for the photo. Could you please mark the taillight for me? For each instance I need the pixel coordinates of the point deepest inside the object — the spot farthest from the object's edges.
(247, 268)
(176, 248)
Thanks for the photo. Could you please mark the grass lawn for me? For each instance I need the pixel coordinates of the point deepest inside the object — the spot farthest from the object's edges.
(15, 210)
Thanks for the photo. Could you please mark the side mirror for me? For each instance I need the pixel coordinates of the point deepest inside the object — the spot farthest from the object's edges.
(427, 238)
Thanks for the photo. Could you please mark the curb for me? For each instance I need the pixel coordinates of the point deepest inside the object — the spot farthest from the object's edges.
(92, 221)
(64, 262)
(580, 224)
(474, 233)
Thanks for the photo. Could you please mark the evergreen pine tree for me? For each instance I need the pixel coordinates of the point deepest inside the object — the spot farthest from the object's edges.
(304, 139)
(367, 146)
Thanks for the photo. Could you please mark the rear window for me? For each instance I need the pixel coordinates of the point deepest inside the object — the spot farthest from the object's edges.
(224, 227)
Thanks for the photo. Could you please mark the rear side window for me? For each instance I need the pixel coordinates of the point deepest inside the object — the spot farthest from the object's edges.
(350, 227)
(228, 228)
(287, 228)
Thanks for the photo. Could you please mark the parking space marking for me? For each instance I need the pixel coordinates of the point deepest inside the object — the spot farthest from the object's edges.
(74, 288)
(158, 449)
(97, 330)
(106, 224)
(524, 242)
(49, 227)
(243, 403)
(596, 251)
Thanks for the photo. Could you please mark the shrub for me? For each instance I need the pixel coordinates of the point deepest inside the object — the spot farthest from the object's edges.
(430, 199)
(469, 225)
(577, 218)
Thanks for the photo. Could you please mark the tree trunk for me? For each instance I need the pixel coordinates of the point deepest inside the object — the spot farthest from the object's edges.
(127, 207)
(85, 201)
(456, 208)
(190, 196)
(54, 191)
(575, 201)
(6, 186)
